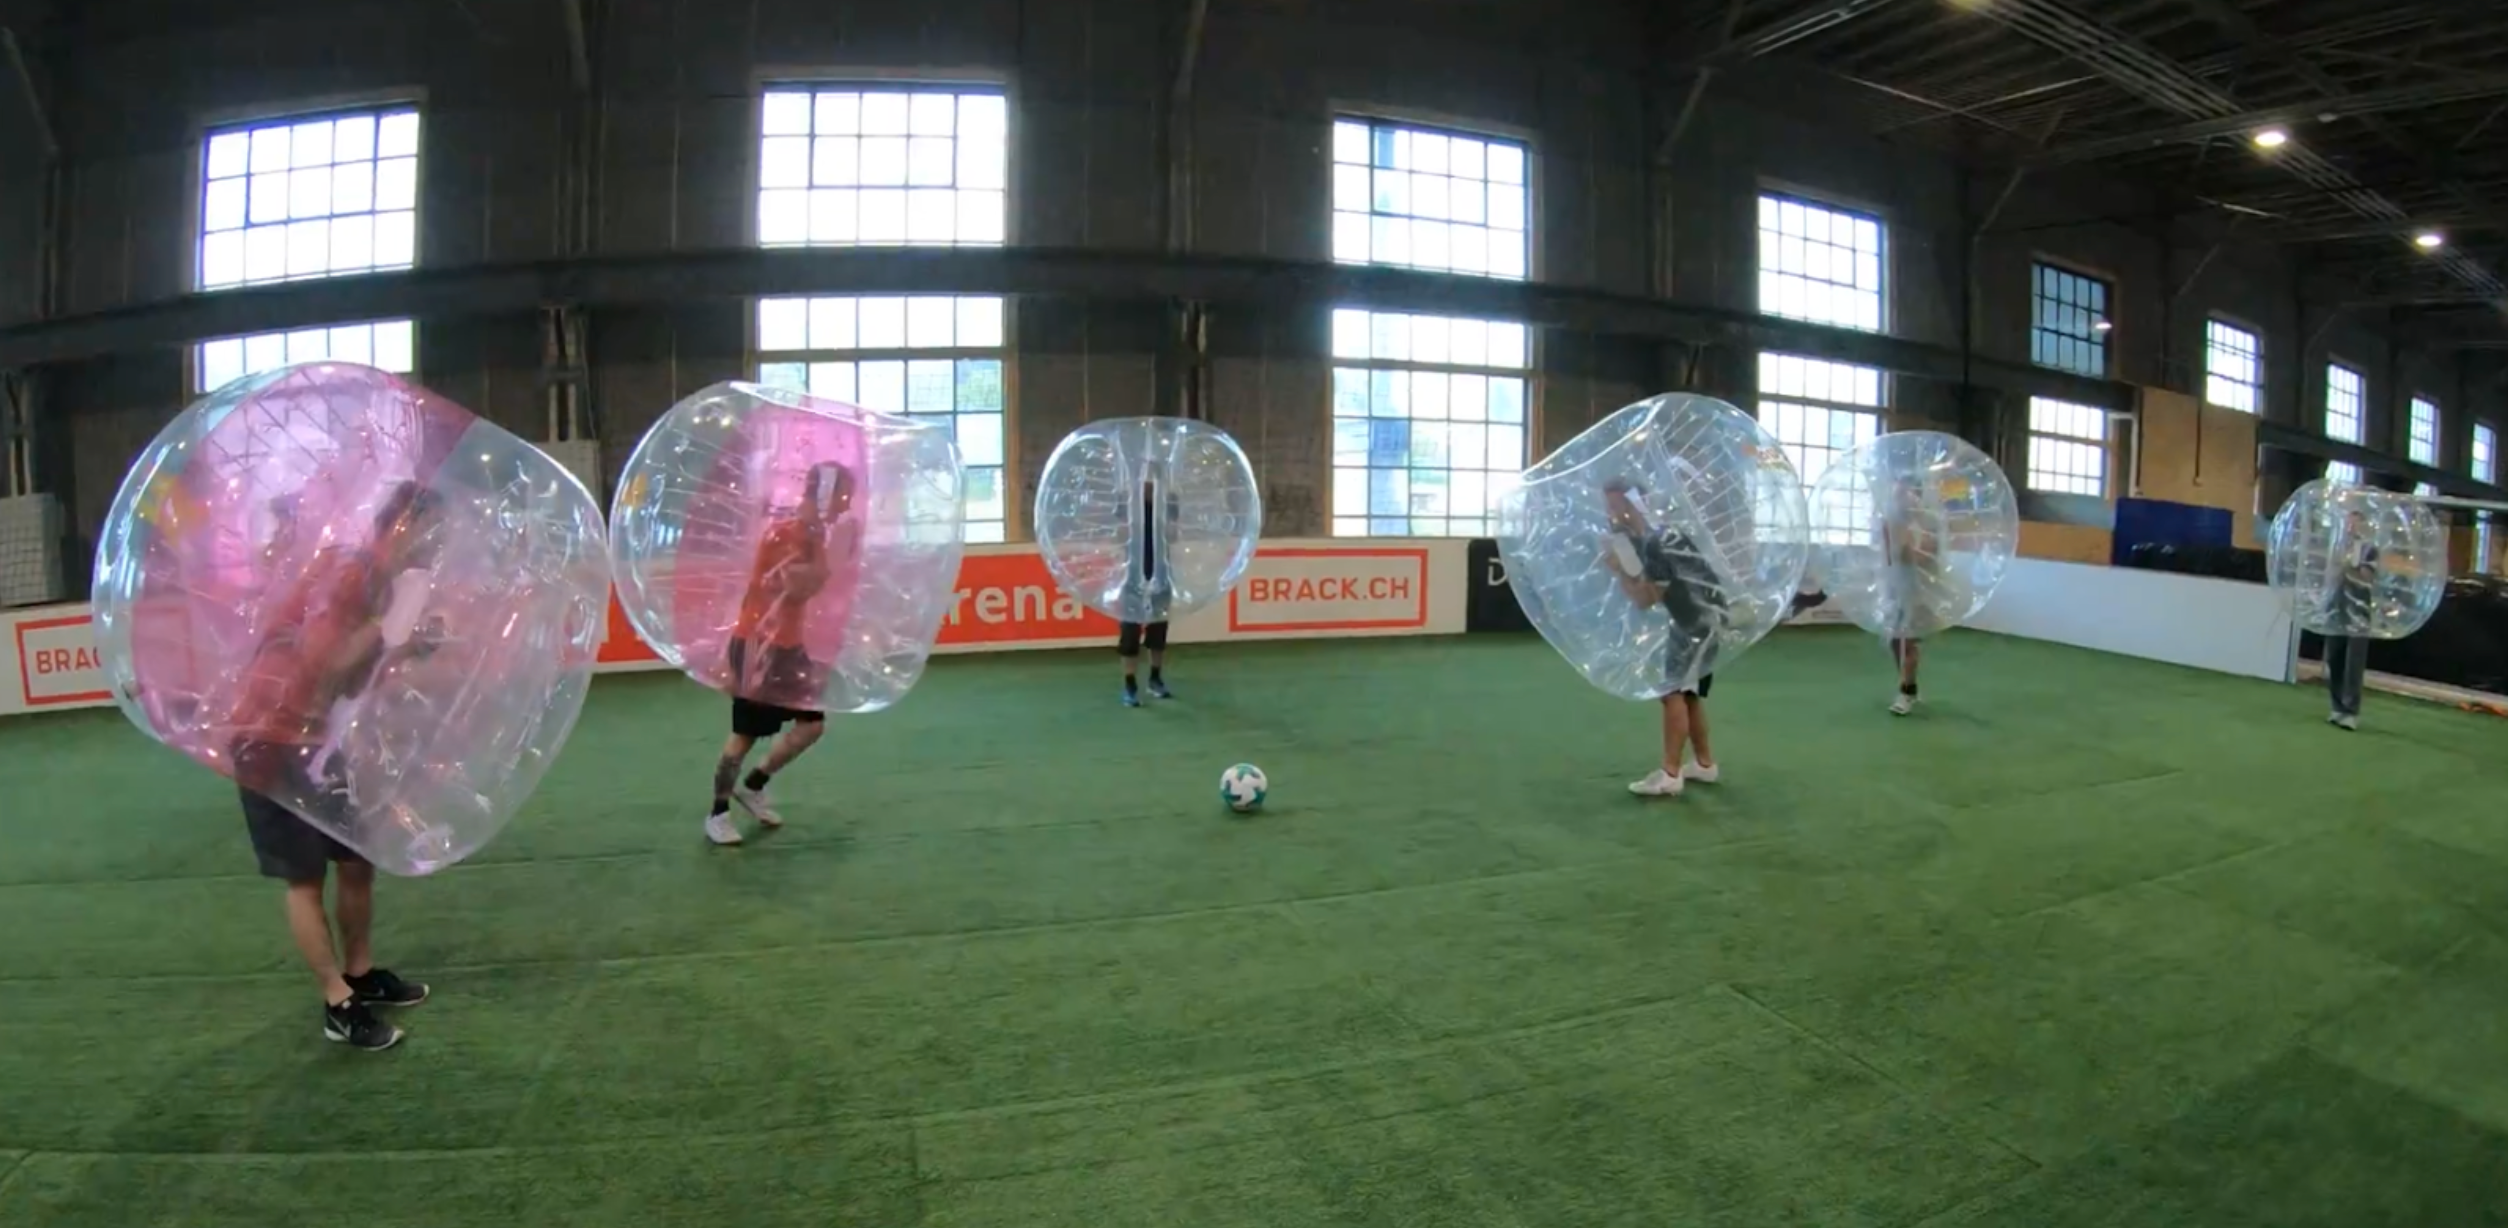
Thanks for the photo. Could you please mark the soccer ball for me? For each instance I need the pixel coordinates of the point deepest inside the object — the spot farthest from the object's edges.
(1243, 788)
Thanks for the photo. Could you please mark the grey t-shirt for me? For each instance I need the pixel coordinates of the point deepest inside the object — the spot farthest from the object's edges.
(2355, 592)
(1692, 594)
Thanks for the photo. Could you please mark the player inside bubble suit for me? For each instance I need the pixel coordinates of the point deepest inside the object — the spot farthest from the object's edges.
(1131, 638)
(801, 548)
(1910, 535)
(1662, 566)
(2347, 656)
(327, 641)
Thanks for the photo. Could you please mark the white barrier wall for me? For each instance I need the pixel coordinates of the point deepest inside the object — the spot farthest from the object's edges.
(1006, 600)
(2222, 625)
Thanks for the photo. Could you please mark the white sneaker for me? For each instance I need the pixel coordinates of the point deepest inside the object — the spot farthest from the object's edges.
(1658, 783)
(2346, 721)
(1703, 773)
(1903, 705)
(719, 829)
(758, 804)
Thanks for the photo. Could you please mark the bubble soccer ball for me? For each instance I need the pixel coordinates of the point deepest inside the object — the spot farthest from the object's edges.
(1915, 529)
(1147, 519)
(1657, 546)
(350, 595)
(2357, 561)
(790, 549)
(1243, 788)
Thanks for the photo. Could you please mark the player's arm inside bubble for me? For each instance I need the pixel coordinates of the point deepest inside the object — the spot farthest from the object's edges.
(1619, 556)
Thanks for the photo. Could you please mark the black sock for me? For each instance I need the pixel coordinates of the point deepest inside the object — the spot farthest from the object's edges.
(1132, 684)
(756, 780)
(1154, 678)
(1907, 688)
(722, 805)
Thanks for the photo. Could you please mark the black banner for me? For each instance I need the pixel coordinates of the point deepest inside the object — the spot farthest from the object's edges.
(1491, 605)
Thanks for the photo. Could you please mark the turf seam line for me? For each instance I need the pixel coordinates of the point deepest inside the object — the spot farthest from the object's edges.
(8, 1176)
(1037, 927)
(1014, 1108)
(1914, 1100)
(2163, 880)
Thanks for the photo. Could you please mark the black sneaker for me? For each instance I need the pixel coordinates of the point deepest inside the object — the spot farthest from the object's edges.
(1158, 689)
(1131, 698)
(353, 1023)
(380, 988)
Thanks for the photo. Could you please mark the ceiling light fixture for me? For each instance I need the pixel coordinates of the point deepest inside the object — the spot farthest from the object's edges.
(2100, 326)
(2429, 240)
(2271, 138)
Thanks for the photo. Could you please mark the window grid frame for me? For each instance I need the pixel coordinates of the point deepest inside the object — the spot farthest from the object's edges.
(2483, 463)
(958, 87)
(2049, 479)
(2346, 403)
(2091, 338)
(1013, 522)
(2420, 446)
(1868, 422)
(380, 106)
(1396, 126)
(2216, 331)
(1768, 262)
(1523, 376)
(196, 355)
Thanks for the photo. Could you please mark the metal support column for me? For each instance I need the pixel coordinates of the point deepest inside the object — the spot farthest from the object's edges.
(1186, 386)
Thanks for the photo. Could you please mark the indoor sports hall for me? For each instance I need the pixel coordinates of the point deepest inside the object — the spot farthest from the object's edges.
(2113, 928)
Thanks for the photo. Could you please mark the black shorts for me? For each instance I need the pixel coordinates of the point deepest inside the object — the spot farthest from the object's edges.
(751, 719)
(1131, 637)
(288, 846)
(780, 669)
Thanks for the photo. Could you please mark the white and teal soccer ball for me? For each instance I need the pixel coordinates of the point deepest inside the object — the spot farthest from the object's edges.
(1243, 788)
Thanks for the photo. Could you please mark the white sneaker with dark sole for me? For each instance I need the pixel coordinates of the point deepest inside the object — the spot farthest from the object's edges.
(758, 804)
(720, 829)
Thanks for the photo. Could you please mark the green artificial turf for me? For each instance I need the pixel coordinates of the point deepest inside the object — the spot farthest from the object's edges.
(2086, 941)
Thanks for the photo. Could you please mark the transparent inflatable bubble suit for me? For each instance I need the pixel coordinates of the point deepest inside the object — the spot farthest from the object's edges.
(790, 549)
(1659, 545)
(1147, 519)
(1915, 531)
(2356, 561)
(350, 595)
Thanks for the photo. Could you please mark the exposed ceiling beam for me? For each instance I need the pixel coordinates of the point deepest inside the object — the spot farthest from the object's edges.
(2348, 106)
(1784, 33)
(2145, 73)
(2234, 22)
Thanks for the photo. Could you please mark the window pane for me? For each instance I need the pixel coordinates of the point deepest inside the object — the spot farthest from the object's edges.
(1819, 264)
(820, 343)
(1403, 211)
(288, 180)
(387, 344)
(950, 145)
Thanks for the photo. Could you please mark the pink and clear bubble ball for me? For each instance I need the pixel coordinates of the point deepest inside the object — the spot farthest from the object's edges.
(790, 549)
(353, 596)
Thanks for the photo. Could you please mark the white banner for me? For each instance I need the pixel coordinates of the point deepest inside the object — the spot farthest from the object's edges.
(1349, 588)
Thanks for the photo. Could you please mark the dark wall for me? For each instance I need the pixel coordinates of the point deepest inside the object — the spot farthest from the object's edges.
(676, 79)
